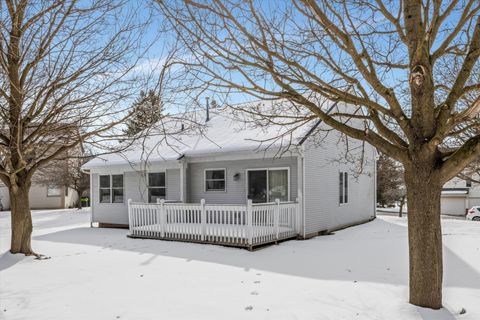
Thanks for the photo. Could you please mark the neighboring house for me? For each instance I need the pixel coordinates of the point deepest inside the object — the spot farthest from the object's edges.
(43, 197)
(458, 195)
(47, 190)
(226, 165)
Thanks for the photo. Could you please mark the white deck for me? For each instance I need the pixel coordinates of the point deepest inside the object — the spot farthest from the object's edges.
(236, 225)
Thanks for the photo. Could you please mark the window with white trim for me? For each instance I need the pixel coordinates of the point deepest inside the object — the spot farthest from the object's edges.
(54, 191)
(156, 186)
(111, 188)
(215, 179)
(267, 185)
(343, 187)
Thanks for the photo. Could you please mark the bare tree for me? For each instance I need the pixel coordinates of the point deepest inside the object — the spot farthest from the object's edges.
(66, 173)
(389, 181)
(407, 68)
(66, 77)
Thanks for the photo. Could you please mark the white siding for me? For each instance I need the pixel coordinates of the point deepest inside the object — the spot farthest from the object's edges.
(71, 199)
(39, 200)
(4, 197)
(235, 190)
(455, 205)
(115, 213)
(135, 188)
(321, 199)
(173, 184)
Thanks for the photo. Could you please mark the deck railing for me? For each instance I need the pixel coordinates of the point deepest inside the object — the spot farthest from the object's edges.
(239, 225)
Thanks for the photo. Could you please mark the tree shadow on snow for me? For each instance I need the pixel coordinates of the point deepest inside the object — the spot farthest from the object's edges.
(375, 252)
(429, 314)
(8, 260)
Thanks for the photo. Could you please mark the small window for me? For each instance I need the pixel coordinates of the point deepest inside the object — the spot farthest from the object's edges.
(215, 180)
(54, 191)
(111, 188)
(468, 183)
(156, 186)
(343, 187)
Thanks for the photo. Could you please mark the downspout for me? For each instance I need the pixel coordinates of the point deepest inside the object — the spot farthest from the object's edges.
(303, 191)
(375, 183)
(90, 198)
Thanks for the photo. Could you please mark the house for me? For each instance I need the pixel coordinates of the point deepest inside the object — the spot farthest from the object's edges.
(43, 197)
(234, 173)
(47, 189)
(459, 195)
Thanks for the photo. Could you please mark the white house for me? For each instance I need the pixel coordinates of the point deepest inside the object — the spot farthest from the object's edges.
(458, 195)
(233, 185)
(43, 197)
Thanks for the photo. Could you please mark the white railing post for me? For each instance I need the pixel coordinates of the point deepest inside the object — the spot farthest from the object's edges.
(276, 217)
(249, 222)
(203, 219)
(130, 220)
(161, 216)
(298, 215)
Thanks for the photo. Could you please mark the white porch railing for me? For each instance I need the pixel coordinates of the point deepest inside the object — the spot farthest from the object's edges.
(239, 225)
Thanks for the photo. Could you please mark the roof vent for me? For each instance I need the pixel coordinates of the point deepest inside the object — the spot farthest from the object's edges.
(208, 110)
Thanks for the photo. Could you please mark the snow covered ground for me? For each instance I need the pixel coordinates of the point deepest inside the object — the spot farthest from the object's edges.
(358, 273)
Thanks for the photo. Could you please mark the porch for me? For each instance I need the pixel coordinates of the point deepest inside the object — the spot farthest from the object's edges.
(248, 225)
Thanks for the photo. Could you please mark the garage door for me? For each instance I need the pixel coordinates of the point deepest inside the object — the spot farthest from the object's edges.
(453, 205)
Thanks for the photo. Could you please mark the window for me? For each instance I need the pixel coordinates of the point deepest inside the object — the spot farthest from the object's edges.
(278, 185)
(111, 188)
(156, 186)
(215, 180)
(267, 185)
(54, 191)
(468, 183)
(343, 183)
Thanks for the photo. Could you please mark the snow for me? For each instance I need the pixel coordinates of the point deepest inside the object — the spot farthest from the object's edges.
(226, 131)
(452, 192)
(357, 273)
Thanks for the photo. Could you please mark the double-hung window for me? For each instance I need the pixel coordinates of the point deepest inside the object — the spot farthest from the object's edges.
(343, 187)
(215, 179)
(156, 186)
(111, 188)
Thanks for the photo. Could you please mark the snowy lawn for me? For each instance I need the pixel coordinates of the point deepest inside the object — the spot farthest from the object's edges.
(358, 273)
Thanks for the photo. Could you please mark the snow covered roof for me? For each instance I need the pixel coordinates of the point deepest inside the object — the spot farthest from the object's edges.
(226, 131)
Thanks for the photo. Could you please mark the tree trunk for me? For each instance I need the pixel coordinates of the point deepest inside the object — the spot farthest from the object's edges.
(79, 200)
(402, 203)
(21, 218)
(424, 237)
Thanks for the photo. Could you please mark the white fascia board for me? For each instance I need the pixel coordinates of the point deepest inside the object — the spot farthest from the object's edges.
(152, 166)
(242, 155)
